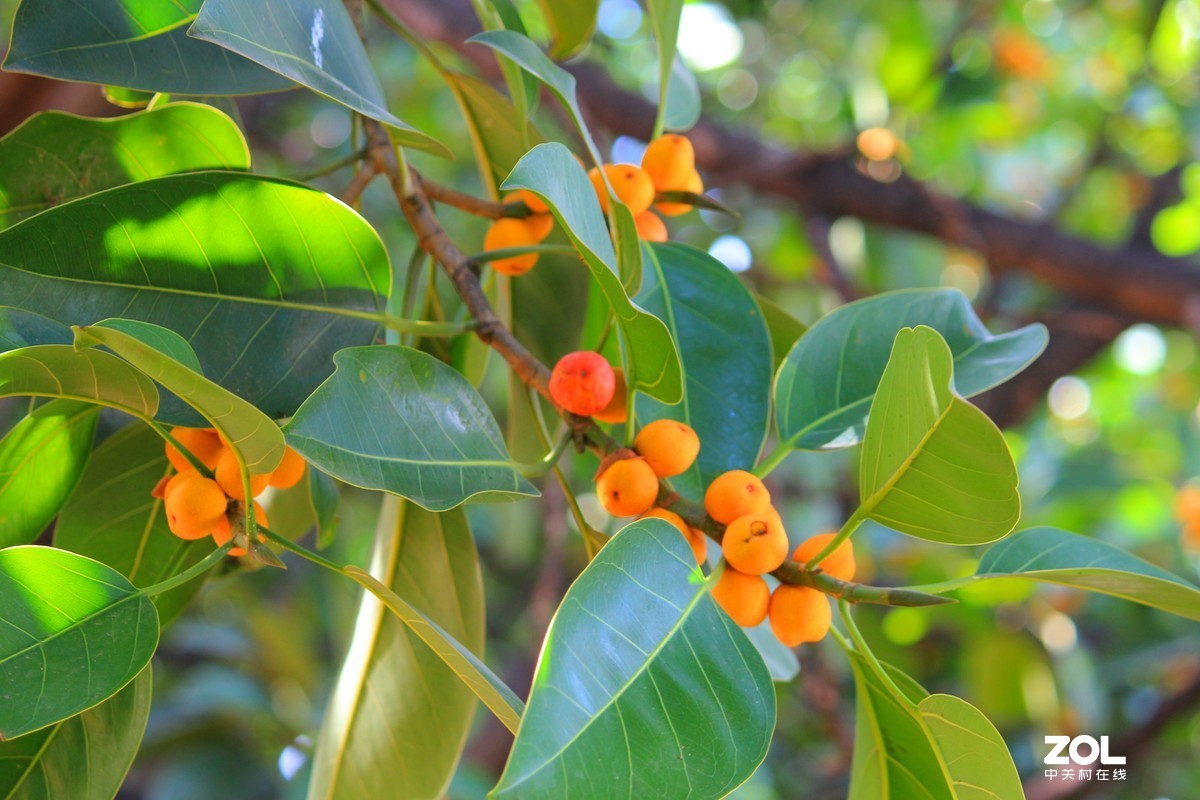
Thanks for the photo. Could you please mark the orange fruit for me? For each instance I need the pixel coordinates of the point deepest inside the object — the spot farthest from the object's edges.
(290, 470)
(229, 477)
(203, 443)
(799, 614)
(735, 494)
(583, 383)
(668, 446)
(839, 564)
(627, 488)
(511, 232)
(755, 543)
(745, 598)
(194, 506)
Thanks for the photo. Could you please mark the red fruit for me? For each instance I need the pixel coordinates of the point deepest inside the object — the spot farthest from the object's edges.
(583, 383)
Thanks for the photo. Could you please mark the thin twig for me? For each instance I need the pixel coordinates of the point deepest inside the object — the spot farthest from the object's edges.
(358, 184)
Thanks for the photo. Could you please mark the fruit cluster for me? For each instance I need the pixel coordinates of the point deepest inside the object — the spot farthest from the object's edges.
(668, 165)
(755, 543)
(196, 505)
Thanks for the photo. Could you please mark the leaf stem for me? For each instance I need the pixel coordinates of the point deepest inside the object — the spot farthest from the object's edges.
(508, 252)
(863, 649)
(856, 519)
(189, 574)
(776, 457)
(319, 172)
(188, 454)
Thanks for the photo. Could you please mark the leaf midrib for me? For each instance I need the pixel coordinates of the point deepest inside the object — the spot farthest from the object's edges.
(642, 668)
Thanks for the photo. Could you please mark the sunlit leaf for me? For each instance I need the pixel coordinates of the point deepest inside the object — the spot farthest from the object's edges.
(54, 157)
(265, 279)
(933, 465)
(76, 632)
(254, 438)
(56, 370)
(41, 460)
(495, 127)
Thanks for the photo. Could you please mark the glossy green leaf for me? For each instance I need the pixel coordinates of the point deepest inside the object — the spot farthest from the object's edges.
(399, 420)
(112, 518)
(972, 753)
(910, 744)
(644, 687)
(571, 24)
(54, 157)
(136, 44)
(933, 465)
(550, 172)
(398, 717)
(254, 438)
(76, 632)
(164, 340)
(824, 388)
(496, 128)
(41, 460)
(780, 659)
(57, 370)
(784, 329)
(20, 328)
(84, 757)
(1068, 559)
(314, 43)
(893, 758)
(522, 51)
(323, 496)
(265, 279)
(726, 355)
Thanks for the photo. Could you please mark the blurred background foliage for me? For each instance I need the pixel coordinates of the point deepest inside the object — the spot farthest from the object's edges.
(1044, 109)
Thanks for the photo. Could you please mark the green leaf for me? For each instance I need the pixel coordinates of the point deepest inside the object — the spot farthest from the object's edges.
(910, 744)
(499, 699)
(726, 355)
(527, 55)
(398, 717)
(1068, 559)
(76, 632)
(57, 370)
(136, 44)
(933, 465)
(84, 757)
(781, 660)
(678, 94)
(112, 518)
(396, 419)
(550, 172)
(972, 753)
(784, 329)
(54, 157)
(24, 329)
(644, 687)
(265, 279)
(314, 43)
(164, 340)
(41, 460)
(127, 98)
(496, 128)
(254, 438)
(825, 387)
(571, 25)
